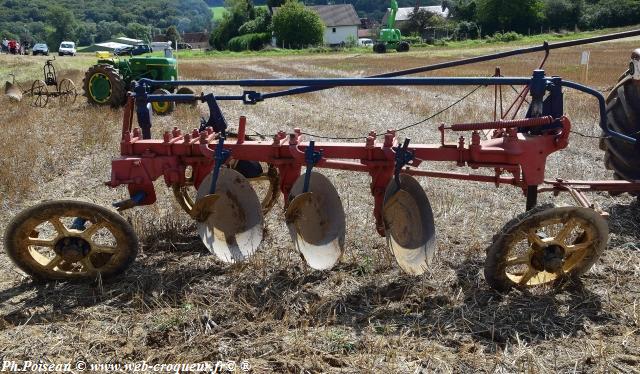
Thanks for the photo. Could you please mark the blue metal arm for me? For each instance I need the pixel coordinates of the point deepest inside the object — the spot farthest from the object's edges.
(538, 80)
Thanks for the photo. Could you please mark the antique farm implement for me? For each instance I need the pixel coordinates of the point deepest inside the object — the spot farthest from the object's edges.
(77, 240)
(42, 89)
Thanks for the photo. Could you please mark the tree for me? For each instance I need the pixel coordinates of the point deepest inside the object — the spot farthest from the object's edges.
(296, 26)
(105, 30)
(239, 12)
(563, 13)
(172, 35)
(509, 15)
(87, 32)
(260, 24)
(461, 10)
(138, 31)
(418, 20)
(63, 24)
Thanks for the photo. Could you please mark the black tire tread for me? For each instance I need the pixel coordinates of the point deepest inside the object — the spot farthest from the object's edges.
(623, 113)
(118, 89)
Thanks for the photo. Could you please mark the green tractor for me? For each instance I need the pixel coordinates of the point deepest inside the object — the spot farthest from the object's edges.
(107, 82)
(391, 38)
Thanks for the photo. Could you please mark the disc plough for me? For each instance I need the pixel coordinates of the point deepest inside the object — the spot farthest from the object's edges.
(215, 176)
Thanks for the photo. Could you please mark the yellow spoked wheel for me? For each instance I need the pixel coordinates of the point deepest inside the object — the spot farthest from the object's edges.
(544, 247)
(266, 186)
(162, 108)
(70, 240)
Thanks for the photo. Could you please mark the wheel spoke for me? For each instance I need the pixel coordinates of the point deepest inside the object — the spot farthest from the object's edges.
(41, 242)
(533, 238)
(566, 230)
(520, 260)
(571, 249)
(89, 231)
(87, 265)
(526, 277)
(59, 226)
(54, 262)
(104, 249)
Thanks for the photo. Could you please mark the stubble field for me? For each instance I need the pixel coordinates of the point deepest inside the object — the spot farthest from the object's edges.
(178, 304)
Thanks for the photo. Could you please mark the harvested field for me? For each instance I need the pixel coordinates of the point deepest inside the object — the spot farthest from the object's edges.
(178, 304)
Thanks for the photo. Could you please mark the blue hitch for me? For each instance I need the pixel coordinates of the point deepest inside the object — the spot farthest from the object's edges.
(135, 200)
(311, 158)
(221, 157)
(403, 157)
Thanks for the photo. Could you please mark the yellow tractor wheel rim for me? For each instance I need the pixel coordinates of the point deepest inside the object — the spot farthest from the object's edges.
(161, 107)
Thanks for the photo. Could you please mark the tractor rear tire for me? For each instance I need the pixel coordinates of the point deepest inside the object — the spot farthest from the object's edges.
(402, 47)
(107, 79)
(623, 116)
(380, 48)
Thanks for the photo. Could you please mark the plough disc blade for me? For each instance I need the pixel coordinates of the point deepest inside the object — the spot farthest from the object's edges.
(316, 222)
(409, 225)
(232, 224)
(12, 91)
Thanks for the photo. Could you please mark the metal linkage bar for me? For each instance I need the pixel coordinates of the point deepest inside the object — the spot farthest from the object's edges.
(538, 80)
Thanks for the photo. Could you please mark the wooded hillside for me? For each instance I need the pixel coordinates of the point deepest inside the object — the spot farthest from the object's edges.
(99, 20)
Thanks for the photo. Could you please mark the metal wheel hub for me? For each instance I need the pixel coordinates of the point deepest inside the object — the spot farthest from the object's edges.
(72, 248)
(549, 258)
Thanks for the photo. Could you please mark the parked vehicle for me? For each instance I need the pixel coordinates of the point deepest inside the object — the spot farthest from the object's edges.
(364, 42)
(40, 49)
(136, 50)
(390, 37)
(67, 48)
(184, 46)
(160, 46)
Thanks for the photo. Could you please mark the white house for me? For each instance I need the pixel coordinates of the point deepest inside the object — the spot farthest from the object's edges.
(341, 22)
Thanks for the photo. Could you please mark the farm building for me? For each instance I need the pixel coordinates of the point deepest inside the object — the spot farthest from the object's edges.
(112, 44)
(404, 14)
(341, 22)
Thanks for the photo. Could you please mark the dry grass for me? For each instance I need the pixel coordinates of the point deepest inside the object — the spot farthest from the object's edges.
(179, 304)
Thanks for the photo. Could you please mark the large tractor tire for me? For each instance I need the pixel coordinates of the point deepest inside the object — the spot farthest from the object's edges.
(380, 48)
(103, 85)
(623, 116)
(403, 47)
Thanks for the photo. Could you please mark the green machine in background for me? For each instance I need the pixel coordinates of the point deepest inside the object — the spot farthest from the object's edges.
(390, 37)
(107, 82)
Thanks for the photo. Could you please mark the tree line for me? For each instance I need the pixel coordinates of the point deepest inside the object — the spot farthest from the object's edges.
(34, 21)
(527, 16)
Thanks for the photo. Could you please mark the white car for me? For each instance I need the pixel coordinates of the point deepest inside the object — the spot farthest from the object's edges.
(364, 42)
(67, 48)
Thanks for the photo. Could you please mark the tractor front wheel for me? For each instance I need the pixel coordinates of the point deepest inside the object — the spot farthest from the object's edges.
(162, 108)
(103, 85)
